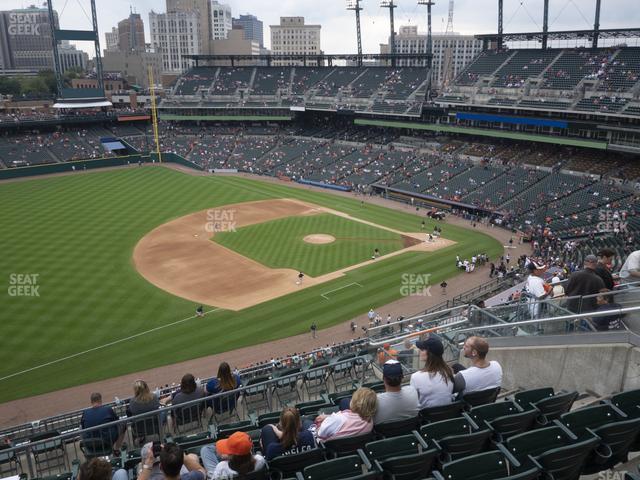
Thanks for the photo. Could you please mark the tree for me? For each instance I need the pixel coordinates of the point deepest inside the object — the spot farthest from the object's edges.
(9, 86)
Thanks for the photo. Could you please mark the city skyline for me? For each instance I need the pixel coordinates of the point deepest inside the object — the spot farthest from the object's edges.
(338, 28)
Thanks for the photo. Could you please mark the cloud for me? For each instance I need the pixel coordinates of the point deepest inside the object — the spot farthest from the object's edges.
(338, 24)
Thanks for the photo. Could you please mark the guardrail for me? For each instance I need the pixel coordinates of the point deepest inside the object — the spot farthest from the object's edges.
(205, 419)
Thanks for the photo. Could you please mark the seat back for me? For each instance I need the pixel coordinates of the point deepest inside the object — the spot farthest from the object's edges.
(410, 467)
(288, 465)
(344, 446)
(566, 463)
(445, 428)
(555, 406)
(620, 437)
(146, 427)
(589, 417)
(187, 415)
(482, 397)
(95, 447)
(443, 412)
(628, 402)
(491, 411)
(392, 447)
(458, 446)
(351, 467)
(537, 441)
(510, 425)
(394, 429)
(527, 398)
(482, 466)
(227, 429)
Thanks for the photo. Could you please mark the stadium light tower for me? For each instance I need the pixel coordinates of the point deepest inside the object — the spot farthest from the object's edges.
(500, 30)
(596, 26)
(392, 40)
(355, 5)
(545, 24)
(429, 4)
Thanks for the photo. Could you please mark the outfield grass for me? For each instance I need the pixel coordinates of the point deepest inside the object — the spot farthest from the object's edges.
(279, 243)
(77, 233)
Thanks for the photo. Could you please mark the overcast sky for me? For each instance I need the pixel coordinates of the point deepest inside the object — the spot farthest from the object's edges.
(338, 24)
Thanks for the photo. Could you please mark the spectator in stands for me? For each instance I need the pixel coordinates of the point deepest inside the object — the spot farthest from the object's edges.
(607, 322)
(536, 287)
(397, 402)
(143, 399)
(224, 382)
(357, 420)
(406, 356)
(231, 457)
(434, 383)
(482, 374)
(630, 270)
(189, 390)
(558, 290)
(100, 414)
(387, 353)
(603, 268)
(171, 464)
(584, 282)
(288, 437)
(100, 469)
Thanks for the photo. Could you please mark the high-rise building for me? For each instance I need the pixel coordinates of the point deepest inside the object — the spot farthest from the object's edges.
(203, 7)
(253, 28)
(131, 33)
(26, 39)
(112, 40)
(221, 20)
(71, 58)
(293, 37)
(134, 66)
(464, 48)
(174, 35)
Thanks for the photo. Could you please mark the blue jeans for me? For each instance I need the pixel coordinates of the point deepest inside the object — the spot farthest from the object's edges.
(209, 459)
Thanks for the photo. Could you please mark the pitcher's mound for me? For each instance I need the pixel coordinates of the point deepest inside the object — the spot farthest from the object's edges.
(318, 238)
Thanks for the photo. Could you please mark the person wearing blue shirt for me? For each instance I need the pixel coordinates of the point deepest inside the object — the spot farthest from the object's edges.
(224, 382)
(100, 414)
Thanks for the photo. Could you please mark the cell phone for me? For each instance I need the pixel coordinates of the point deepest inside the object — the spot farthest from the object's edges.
(156, 448)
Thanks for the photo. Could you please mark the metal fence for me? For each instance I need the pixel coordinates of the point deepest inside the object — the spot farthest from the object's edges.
(190, 424)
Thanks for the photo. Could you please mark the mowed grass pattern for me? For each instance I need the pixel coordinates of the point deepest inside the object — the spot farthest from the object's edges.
(78, 233)
(280, 243)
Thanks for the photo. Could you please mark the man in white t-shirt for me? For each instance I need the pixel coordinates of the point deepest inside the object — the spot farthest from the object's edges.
(630, 271)
(482, 374)
(397, 402)
(536, 287)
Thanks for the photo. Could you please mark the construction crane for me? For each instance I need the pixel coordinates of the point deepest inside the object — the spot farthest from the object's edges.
(447, 67)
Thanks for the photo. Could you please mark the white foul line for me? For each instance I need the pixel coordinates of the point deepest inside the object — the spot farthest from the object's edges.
(324, 295)
(68, 357)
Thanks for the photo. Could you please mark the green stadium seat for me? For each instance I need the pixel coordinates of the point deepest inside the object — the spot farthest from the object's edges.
(403, 458)
(352, 467)
(443, 412)
(628, 402)
(458, 437)
(550, 404)
(482, 397)
(617, 434)
(397, 428)
(224, 431)
(339, 447)
(495, 465)
(193, 440)
(504, 418)
(554, 449)
(286, 466)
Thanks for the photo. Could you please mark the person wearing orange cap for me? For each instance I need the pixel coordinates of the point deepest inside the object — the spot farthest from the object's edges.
(387, 353)
(231, 457)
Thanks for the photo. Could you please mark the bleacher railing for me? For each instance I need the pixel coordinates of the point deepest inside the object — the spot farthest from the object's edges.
(55, 451)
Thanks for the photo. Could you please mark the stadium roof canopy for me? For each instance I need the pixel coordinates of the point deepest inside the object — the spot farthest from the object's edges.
(329, 58)
(562, 35)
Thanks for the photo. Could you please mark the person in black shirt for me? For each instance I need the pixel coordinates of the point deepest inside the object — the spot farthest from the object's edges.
(605, 257)
(584, 282)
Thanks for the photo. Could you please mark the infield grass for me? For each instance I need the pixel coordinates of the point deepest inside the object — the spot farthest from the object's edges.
(96, 317)
(280, 243)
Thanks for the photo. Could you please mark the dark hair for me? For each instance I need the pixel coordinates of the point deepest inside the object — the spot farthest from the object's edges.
(392, 381)
(171, 459)
(436, 364)
(606, 252)
(227, 380)
(188, 384)
(242, 464)
(95, 469)
(96, 397)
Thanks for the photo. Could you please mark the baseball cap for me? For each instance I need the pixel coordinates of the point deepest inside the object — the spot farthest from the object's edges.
(590, 259)
(392, 369)
(432, 345)
(238, 443)
(386, 346)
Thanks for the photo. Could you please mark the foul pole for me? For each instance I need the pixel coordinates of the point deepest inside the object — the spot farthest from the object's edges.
(154, 114)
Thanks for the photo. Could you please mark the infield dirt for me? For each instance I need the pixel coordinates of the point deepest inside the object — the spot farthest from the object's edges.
(180, 258)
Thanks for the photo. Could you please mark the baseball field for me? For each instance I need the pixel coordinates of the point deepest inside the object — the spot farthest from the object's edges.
(100, 273)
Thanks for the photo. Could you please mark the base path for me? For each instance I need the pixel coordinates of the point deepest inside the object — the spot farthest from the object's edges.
(180, 258)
